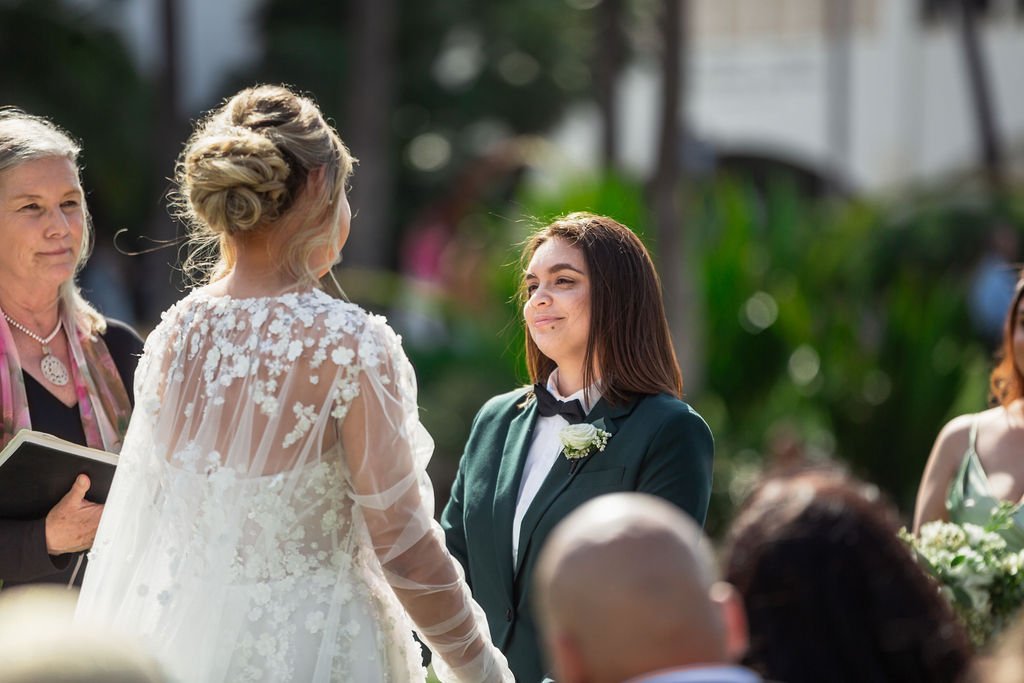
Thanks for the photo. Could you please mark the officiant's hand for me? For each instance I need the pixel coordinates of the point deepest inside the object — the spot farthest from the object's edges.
(71, 524)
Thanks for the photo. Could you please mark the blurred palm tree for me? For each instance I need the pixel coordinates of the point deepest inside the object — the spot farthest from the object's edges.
(370, 103)
(665, 188)
(966, 12)
(608, 64)
(158, 293)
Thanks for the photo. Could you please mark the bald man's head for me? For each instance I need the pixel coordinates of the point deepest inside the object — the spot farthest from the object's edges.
(625, 585)
(40, 641)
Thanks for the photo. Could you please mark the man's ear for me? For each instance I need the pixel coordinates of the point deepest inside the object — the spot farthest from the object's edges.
(567, 659)
(734, 619)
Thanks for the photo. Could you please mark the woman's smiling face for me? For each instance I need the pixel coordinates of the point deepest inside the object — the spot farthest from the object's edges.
(42, 218)
(557, 308)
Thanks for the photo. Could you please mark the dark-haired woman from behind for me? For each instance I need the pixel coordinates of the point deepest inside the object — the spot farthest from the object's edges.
(830, 590)
(605, 414)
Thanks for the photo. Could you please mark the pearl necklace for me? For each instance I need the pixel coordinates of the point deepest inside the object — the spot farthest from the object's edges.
(53, 369)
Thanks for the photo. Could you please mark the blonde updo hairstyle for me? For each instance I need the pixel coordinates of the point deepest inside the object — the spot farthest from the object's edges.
(24, 138)
(244, 170)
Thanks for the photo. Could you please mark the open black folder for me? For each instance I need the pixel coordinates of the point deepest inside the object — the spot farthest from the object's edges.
(37, 469)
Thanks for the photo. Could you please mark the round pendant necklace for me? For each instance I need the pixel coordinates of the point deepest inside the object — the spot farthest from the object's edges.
(53, 369)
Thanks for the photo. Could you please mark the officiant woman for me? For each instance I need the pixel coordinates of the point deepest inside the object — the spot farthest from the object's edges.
(64, 368)
(604, 414)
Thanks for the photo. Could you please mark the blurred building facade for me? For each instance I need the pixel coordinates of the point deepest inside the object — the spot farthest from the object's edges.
(879, 102)
(864, 93)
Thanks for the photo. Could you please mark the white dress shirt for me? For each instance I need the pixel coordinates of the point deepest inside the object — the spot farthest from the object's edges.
(544, 451)
(712, 673)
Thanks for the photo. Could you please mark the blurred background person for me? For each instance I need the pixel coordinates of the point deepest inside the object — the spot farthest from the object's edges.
(994, 283)
(831, 593)
(625, 589)
(40, 644)
(604, 414)
(976, 461)
(65, 369)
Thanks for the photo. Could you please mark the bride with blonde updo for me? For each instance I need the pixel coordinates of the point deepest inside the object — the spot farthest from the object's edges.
(271, 517)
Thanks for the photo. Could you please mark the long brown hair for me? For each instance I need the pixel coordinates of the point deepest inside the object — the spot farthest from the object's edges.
(1006, 382)
(629, 335)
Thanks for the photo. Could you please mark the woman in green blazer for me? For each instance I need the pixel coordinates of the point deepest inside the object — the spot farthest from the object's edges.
(604, 415)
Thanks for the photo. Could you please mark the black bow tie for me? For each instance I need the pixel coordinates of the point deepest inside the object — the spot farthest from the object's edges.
(548, 406)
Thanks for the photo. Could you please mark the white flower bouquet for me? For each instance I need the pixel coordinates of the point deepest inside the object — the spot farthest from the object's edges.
(980, 574)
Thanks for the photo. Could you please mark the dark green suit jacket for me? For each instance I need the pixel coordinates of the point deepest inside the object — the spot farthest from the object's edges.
(659, 445)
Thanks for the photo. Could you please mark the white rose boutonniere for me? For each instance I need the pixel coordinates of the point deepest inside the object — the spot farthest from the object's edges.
(580, 440)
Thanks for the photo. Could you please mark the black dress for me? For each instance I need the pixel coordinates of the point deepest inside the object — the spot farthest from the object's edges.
(23, 556)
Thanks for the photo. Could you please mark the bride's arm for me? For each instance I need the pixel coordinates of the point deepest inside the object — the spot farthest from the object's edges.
(386, 452)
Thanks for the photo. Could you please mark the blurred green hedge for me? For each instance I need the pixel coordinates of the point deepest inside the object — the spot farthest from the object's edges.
(834, 329)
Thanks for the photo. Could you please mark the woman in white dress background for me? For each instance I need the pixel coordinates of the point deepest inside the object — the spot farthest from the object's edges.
(271, 517)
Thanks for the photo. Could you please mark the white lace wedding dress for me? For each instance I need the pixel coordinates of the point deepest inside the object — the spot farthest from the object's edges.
(271, 518)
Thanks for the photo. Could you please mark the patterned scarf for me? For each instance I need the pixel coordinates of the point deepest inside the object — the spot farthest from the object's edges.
(102, 399)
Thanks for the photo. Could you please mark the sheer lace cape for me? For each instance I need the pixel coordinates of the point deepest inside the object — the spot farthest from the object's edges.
(271, 517)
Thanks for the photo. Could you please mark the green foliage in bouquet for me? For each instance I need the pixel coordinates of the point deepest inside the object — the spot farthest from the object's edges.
(979, 573)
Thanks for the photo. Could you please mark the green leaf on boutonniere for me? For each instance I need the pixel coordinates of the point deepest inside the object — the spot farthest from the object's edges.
(604, 426)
